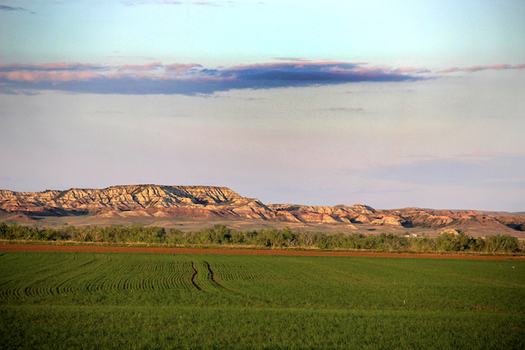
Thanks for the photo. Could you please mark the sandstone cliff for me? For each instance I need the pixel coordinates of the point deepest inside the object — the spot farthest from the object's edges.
(120, 197)
(208, 202)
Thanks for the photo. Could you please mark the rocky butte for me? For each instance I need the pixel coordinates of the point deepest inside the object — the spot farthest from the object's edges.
(208, 203)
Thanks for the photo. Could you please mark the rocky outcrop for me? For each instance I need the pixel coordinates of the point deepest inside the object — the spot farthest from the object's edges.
(450, 231)
(209, 202)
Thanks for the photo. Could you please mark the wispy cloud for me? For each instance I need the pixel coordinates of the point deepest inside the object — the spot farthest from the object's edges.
(181, 67)
(190, 79)
(15, 9)
(57, 66)
(205, 3)
(478, 68)
(141, 67)
(346, 109)
(9, 91)
(294, 59)
(412, 70)
(172, 2)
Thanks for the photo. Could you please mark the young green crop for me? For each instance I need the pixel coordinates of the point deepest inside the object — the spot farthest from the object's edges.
(117, 300)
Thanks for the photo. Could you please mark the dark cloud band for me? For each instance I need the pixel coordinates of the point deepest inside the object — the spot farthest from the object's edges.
(189, 79)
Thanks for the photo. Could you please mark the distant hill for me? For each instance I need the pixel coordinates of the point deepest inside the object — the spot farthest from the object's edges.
(208, 202)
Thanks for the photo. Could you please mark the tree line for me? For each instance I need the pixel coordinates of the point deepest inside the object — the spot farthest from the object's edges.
(265, 238)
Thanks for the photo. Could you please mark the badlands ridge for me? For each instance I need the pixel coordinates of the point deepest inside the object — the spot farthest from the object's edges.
(212, 204)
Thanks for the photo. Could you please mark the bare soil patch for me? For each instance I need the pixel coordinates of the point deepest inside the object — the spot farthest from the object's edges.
(158, 250)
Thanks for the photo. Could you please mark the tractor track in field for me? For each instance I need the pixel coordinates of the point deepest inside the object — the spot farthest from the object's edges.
(194, 276)
(212, 275)
(195, 273)
(108, 249)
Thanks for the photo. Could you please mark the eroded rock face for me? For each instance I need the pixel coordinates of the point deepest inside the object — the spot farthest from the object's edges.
(209, 202)
(121, 197)
(389, 220)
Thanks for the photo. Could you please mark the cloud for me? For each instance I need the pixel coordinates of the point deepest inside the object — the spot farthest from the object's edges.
(206, 3)
(299, 64)
(345, 109)
(170, 2)
(294, 59)
(141, 67)
(53, 77)
(10, 91)
(190, 79)
(311, 73)
(450, 70)
(142, 2)
(478, 68)
(57, 66)
(495, 67)
(10, 8)
(180, 67)
(487, 155)
(411, 70)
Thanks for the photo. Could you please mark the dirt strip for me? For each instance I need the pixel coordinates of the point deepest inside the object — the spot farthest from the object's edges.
(107, 249)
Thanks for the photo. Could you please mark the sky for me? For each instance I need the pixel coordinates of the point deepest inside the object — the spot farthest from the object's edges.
(391, 104)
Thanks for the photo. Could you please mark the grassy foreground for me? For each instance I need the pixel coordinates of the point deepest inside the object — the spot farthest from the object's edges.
(163, 301)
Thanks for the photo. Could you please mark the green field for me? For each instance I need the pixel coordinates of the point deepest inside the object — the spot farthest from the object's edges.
(163, 301)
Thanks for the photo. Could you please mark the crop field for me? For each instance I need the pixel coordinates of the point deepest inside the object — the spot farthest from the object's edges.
(191, 301)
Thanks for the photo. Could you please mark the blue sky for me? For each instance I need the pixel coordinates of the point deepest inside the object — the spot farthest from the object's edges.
(389, 104)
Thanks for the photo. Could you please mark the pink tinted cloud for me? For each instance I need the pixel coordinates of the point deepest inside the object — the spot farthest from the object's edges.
(52, 76)
(180, 67)
(371, 69)
(478, 68)
(405, 70)
(411, 70)
(450, 70)
(496, 67)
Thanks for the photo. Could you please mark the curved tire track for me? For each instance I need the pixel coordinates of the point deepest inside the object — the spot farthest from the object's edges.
(194, 277)
(214, 281)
